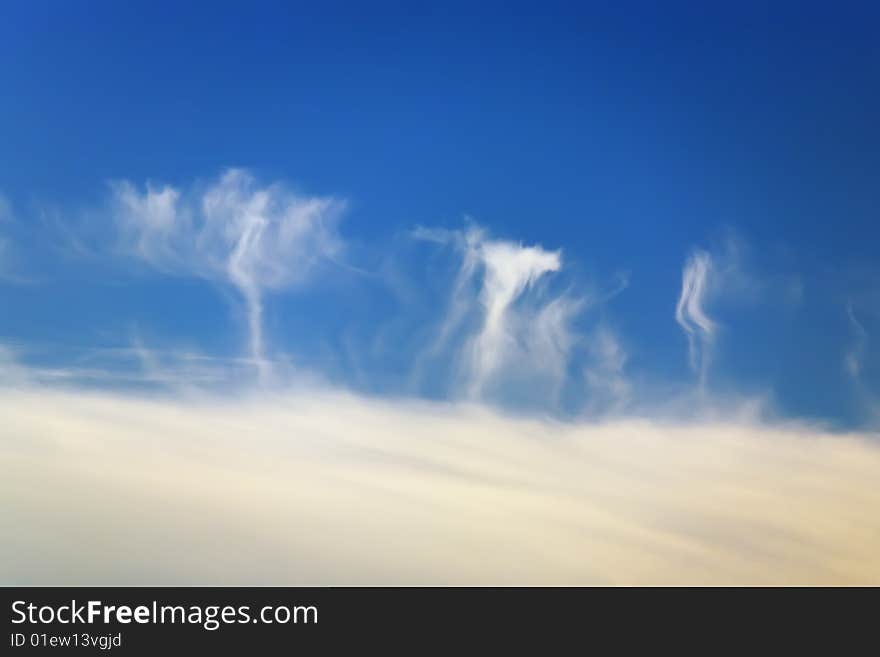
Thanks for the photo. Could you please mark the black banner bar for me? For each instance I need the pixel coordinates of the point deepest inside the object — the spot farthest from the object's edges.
(199, 620)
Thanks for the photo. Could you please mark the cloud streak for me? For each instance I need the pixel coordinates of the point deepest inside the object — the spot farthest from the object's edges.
(852, 361)
(606, 379)
(855, 361)
(691, 315)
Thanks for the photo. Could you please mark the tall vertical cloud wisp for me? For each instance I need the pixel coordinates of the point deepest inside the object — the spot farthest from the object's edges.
(509, 270)
(514, 328)
(254, 238)
(605, 379)
(690, 313)
(853, 359)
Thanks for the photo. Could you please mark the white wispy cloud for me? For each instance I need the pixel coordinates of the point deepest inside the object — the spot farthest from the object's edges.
(323, 488)
(609, 388)
(857, 365)
(518, 330)
(691, 315)
(468, 243)
(255, 238)
(852, 360)
(162, 370)
(731, 273)
(515, 331)
(509, 270)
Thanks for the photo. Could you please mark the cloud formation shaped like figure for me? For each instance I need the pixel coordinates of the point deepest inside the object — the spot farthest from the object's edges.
(519, 328)
(510, 269)
(254, 238)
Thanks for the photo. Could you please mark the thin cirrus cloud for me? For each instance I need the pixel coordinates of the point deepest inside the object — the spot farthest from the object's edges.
(855, 361)
(852, 361)
(608, 386)
(728, 275)
(690, 312)
(511, 324)
(234, 231)
(510, 270)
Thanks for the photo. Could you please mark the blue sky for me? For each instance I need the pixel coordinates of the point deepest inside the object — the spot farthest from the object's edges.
(624, 138)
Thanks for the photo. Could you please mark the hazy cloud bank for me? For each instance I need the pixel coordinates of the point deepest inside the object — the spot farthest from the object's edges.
(328, 488)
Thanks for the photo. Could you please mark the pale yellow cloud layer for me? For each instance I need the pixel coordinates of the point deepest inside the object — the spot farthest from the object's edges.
(316, 489)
